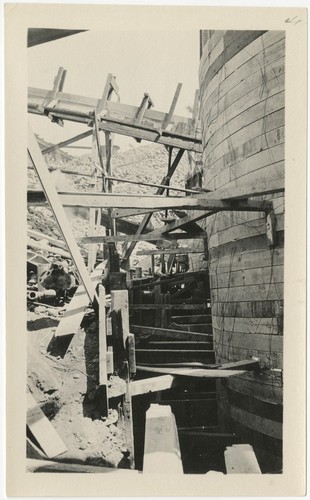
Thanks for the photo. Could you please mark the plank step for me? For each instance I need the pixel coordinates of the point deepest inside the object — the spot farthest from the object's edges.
(192, 319)
(165, 356)
(153, 333)
(198, 328)
(175, 345)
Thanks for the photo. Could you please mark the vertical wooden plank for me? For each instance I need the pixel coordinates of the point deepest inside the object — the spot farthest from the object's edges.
(172, 107)
(168, 311)
(92, 247)
(120, 328)
(131, 352)
(128, 421)
(157, 300)
(103, 370)
(121, 335)
(110, 361)
(152, 264)
(51, 194)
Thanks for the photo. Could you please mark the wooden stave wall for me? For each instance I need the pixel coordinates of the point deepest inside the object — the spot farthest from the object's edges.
(246, 277)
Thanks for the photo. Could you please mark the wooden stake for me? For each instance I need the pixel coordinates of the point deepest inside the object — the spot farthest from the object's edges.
(103, 372)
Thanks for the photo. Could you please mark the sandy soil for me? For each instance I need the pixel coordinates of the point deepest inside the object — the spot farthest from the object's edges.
(66, 389)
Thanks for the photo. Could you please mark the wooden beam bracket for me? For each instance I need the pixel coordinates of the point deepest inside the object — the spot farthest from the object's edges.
(271, 228)
(51, 100)
(146, 103)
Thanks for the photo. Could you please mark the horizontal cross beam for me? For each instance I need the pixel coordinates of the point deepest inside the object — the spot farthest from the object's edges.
(170, 251)
(142, 237)
(119, 118)
(155, 203)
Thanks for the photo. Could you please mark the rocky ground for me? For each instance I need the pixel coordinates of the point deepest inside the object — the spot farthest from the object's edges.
(65, 384)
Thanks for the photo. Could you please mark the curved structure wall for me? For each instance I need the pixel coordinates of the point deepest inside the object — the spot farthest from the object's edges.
(242, 83)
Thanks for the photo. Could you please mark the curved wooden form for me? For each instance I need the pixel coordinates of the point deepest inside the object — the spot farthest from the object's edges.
(242, 83)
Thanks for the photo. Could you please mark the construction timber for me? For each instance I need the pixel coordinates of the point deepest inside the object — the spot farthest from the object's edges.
(242, 89)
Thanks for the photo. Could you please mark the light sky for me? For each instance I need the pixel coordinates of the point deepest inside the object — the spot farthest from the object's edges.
(142, 61)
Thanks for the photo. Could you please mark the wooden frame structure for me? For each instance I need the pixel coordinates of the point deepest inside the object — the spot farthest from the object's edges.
(140, 123)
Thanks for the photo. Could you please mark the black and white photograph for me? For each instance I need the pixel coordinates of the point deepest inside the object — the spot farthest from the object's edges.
(155, 315)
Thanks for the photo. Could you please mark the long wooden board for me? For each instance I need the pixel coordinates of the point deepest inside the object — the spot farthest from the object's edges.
(152, 384)
(192, 372)
(157, 356)
(43, 430)
(151, 333)
(119, 118)
(75, 311)
(248, 309)
(156, 203)
(59, 212)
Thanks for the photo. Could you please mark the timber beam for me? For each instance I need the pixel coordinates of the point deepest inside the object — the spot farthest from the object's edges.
(153, 238)
(117, 118)
(155, 203)
(36, 197)
(170, 251)
(41, 168)
(63, 144)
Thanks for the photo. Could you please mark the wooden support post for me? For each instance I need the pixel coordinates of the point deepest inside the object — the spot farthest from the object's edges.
(109, 87)
(196, 109)
(97, 138)
(131, 354)
(103, 370)
(168, 311)
(123, 346)
(59, 212)
(50, 100)
(172, 107)
(158, 303)
(146, 103)
(128, 421)
(161, 449)
(110, 360)
(120, 329)
(152, 264)
(108, 152)
(92, 248)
